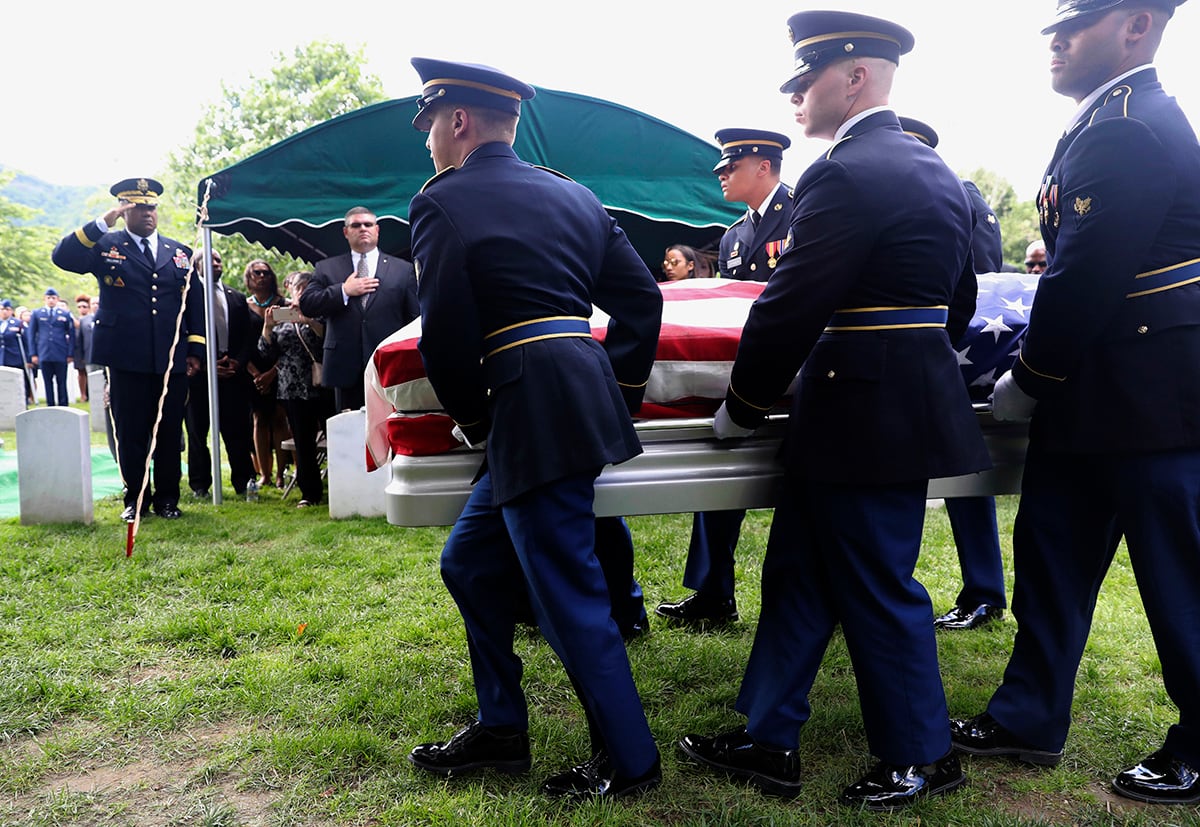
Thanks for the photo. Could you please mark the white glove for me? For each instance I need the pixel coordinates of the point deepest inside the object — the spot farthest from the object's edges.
(1009, 402)
(457, 433)
(724, 427)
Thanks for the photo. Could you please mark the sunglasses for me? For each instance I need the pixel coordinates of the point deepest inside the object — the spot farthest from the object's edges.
(672, 262)
(1035, 264)
(358, 225)
(260, 272)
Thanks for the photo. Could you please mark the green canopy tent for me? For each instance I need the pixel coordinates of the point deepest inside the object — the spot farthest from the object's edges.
(654, 178)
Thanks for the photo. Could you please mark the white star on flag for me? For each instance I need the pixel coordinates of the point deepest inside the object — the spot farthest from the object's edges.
(986, 379)
(1019, 307)
(995, 326)
(962, 356)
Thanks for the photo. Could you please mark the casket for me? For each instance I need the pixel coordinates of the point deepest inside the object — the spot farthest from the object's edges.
(683, 468)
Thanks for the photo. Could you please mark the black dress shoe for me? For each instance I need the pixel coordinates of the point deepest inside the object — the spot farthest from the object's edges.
(475, 747)
(1160, 779)
(774, 771)
(963, 618)
(982, 735)
(128, 513)
(168, 511)
(202, 493)
(594, 778)
(699, 611)
(888, 786)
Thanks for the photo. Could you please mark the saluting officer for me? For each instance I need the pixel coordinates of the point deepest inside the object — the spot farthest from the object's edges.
(510, 259)
(748, 170)
(873, 286)
(142, 277)
(1109, 376)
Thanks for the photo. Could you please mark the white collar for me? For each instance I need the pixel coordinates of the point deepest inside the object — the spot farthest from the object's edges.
(866, 113)
(761, 209)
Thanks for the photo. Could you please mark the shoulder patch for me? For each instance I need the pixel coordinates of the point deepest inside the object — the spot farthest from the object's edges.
(553, 172)
(437, 177)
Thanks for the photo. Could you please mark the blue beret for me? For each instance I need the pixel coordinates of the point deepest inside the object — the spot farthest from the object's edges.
(1070, 9)
(144, 191)
(920, 130)
(467, 83)
(820, 38)
(738, 142)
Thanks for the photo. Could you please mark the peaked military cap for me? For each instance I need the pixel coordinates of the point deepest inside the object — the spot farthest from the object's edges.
(468, 83)
(820, 38)
(757, 142)
(920, 130)
(143, 191)
(1071, 9)
(50, 291)
(6, 303)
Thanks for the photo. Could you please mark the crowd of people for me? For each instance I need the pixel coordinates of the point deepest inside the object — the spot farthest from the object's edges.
(149, 331)
(869, 268)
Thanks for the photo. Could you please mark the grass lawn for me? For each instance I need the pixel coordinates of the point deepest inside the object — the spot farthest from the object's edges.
(255, 664)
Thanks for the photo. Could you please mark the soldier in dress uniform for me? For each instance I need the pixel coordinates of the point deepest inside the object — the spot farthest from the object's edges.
(1109, 378)
(12, 344)
(52, 345)
(142, 277)
(973, 519)
(510, 259)
(748, 169)
(874, 284)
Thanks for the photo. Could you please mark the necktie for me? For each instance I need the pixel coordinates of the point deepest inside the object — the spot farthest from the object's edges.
(362, 274)
(146, 250)
(754, 218)
(220, 320)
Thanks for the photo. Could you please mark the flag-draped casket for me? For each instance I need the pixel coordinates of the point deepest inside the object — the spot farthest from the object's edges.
(702, 323)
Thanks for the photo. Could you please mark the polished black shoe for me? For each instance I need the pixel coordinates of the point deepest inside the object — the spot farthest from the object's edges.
(699, 611)
(1160, 779)
(594, 778)
(474, 747)
(168, 511)
(982, 735)
(963, 618)
(774, 771)
(202, 493)
(888, 786)
(127, 514)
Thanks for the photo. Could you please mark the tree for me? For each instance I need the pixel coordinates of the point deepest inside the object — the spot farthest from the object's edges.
(1018, 219)
(315, 83)
(25, 268)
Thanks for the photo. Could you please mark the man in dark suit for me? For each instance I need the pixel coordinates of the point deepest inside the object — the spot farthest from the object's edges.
(865, 302)
(52, 345)
(973, 519)
(511, 259)
(149, 333)
(364, 297)
(1109, 378)
(237, 331)
(748, 170)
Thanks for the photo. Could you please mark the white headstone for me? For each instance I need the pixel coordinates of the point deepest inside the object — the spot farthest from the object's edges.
(95, 381)
(12, 396)
(353, 491)
(54, 466)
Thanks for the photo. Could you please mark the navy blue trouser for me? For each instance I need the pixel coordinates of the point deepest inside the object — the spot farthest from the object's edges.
(709, 567)
(541, 543)
(1072, 514)
(845, 554)
(977, 538)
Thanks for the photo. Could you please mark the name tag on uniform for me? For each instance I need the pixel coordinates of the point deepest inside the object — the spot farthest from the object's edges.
(734, 262)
